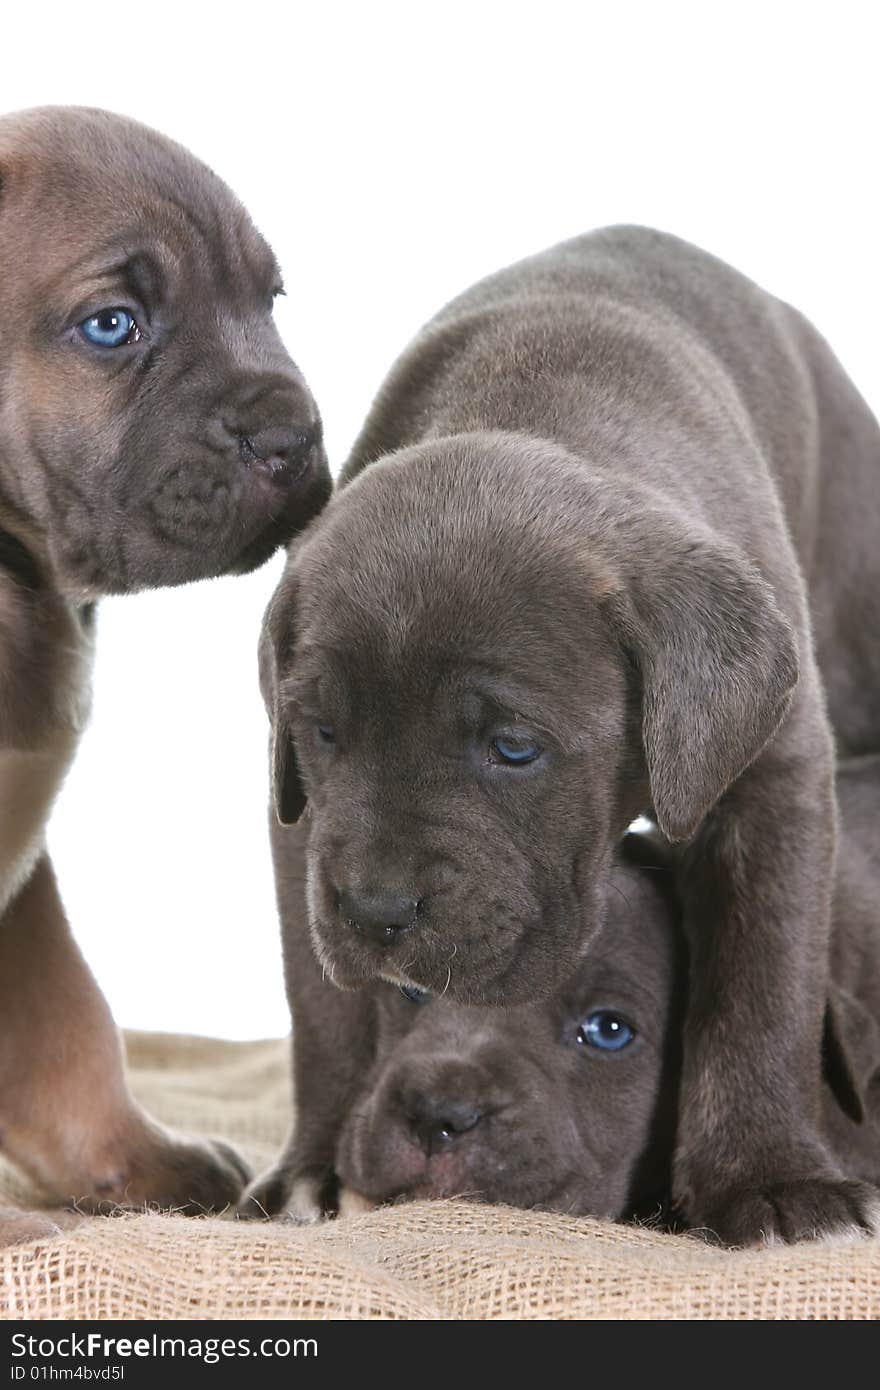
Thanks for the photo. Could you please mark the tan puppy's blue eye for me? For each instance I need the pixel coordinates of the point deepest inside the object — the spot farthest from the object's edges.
(515, 751)
(111, 328)
(608, 1031)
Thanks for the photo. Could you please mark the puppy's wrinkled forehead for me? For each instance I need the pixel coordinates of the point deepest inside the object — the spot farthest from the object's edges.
(109, 195)
(443, 567)
(454, 547)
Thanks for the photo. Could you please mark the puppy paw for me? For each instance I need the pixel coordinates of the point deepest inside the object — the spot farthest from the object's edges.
(17, 1227)
(353, 1203)
(804, 1209)
(301, 1200)
(305, 1205)
(190, 1176)
(267, 1195)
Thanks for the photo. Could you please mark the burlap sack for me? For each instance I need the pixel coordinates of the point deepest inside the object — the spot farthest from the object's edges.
(430, 1260)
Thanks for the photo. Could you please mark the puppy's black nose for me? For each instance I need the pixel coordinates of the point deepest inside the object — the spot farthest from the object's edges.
(380, 916)
(280, 452)
(437, 1121)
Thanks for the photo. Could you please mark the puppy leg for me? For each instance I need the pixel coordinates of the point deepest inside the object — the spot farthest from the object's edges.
(66, 1114)
(353, 1203)
(331, 1055)
(332, 1052)
(750, 1165)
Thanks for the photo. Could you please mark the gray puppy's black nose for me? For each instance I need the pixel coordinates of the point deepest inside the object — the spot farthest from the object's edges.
(380, 916)
(280, 451)
(437, 1121)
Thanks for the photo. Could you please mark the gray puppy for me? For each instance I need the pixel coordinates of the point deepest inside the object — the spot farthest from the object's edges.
(401, 1094)
(567, 1104)
(569, 579)
(153, 430)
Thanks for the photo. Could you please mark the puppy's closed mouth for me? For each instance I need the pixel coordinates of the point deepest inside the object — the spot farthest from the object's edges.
(279, 472)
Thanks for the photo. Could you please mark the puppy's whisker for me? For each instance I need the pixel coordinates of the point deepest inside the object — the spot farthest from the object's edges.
(449, 970)
(619, 891)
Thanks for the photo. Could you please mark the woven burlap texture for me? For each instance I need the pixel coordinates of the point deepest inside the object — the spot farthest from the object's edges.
(423, 1261)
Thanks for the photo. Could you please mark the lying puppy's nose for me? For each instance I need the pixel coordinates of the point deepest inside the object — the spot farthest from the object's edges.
(280, 452)
(380, 916)
(437, 1121)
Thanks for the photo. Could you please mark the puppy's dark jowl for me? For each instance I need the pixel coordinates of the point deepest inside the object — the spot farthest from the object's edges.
(606, 513)
(153, 428)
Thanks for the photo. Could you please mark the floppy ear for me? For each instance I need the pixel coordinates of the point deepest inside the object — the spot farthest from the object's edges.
(850, 1050)
(718, 663)
(288, 796)
(287, 788)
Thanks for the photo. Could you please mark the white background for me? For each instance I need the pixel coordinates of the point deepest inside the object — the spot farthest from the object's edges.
(392, 155)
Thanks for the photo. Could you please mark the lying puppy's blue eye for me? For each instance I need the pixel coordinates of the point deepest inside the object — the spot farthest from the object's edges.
(514, 750)
(111, 328)
(414, 995)
(605, 1030)
(326, 733)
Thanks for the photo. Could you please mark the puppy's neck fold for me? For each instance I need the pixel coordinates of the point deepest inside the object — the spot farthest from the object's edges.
(17, 561)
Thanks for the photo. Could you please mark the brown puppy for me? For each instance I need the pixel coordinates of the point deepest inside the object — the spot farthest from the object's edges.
(569, 1104)
(564, 584)
(153, 430)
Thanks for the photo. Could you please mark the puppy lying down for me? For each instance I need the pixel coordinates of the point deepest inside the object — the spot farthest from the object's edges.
(570, 1104)
(567, 1104)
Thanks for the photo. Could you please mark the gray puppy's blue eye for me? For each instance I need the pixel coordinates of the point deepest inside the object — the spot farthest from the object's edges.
(325, 733)
(515, 750)
(111, 328)
(605, 1030)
